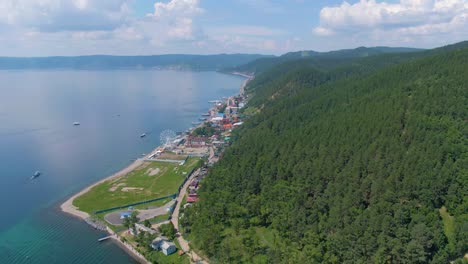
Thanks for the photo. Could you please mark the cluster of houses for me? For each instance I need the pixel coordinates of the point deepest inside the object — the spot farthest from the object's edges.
(160, 243)
(223, 118)
(193, 187)
(196, 142)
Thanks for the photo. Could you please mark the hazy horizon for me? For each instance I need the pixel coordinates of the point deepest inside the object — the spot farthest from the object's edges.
(215, 54)
(203, 27)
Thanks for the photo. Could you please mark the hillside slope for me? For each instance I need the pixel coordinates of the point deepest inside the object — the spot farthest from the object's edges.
(346, 170)
(264, 64)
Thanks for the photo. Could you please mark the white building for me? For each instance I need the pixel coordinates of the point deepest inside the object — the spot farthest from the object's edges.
(157, 242)
(168, 248)
(141, 228)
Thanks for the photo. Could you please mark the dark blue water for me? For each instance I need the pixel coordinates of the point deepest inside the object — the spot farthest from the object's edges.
(37, 109)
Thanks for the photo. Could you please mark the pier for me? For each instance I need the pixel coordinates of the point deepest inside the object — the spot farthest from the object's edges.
(104, 238)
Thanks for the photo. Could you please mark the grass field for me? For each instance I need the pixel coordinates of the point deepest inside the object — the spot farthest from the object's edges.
(157, 256)
(152, 204)
(172, 156)
(449, 226)
(159, 218)
(151, 180)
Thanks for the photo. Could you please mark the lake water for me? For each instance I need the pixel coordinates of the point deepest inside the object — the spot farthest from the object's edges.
(37, 110)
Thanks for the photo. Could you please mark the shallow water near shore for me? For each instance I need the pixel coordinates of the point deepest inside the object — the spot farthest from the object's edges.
(37, 111)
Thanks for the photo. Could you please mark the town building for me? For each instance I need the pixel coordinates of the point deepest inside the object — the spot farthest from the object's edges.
(141, 228)
(196, 142)
(125, 214)
(168, 248)
(157, 242)
(192, 199)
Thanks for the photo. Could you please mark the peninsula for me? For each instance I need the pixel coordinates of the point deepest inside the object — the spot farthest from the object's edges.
(139, 206)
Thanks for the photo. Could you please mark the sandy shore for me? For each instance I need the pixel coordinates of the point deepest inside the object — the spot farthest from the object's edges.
(244, 84)
(68, 206)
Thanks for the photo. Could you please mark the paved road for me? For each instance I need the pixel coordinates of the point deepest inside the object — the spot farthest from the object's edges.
(175, 221)
(114, 217)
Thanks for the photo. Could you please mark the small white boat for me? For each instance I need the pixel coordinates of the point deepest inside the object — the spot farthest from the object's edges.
(76, 123)
(35, 175)
(143, 135)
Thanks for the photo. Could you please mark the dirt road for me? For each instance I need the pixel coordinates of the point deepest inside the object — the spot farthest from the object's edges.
(175, 221)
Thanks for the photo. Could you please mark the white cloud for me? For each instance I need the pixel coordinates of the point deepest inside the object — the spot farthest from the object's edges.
(60, 15)
(323, 31)
(405, 17)
(76, 27)
(176, 18)
(245, 30)
(178, 7)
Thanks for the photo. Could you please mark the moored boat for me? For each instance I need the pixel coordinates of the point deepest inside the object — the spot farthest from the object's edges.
(35, 175)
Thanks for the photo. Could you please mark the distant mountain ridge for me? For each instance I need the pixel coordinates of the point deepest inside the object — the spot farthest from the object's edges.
(170, 61)
(357, 52)
(263, 64)
(246, 63)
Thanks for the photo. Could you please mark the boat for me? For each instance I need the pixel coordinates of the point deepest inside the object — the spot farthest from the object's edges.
(207, 114)
(143, 135)
(202, 119)
(35, 175)
(76, 123)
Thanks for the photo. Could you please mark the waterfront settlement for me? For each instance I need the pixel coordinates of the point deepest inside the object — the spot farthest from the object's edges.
(140, 205)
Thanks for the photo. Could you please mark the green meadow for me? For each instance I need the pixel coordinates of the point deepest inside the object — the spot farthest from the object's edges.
(149, 181)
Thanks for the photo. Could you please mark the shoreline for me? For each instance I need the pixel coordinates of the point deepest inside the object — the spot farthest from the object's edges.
(127, 248)
(245, 82)
(68, 207)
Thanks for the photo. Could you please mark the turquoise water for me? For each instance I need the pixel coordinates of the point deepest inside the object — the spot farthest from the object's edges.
(37, 109)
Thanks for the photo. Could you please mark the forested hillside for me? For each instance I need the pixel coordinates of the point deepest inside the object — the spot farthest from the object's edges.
(264, 64)
(357, 162)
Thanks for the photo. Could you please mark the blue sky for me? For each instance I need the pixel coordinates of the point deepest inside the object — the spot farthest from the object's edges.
(137, 27)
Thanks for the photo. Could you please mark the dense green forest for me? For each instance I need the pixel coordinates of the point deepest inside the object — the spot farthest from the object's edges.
(358, 160)
(261, 65)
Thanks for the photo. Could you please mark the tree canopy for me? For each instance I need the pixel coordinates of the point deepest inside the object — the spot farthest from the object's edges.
(348, 163)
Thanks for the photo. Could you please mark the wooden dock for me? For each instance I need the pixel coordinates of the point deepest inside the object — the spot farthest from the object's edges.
(104, 238)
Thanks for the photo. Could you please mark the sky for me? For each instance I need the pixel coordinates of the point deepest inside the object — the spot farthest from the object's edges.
(143, 27)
